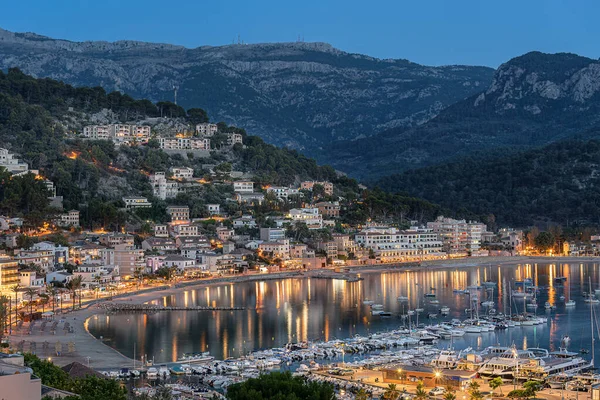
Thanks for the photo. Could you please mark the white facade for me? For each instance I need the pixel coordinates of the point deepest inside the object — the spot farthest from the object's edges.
(310, 216)
(243, 187)
(391, 244)
(458, 236)
(12, 164)
(206, 129)
(176, 143)
(162, 187)
(234, 138)
(70, 218)
(283, 192)
(279, 249)
(213, 209)
(136, 202)
(182, 172)
(118, 133)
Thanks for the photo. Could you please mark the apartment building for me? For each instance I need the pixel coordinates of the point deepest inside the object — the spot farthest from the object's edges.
(69, 219)
(391, 244)
(329, 209)
(185, 230)
(12, 164)
(115, 238)
(279, 249)
(243, 187)
(327, 186)
(234, 138)
(9, 274)
(282, 192)
(206, 129)
(128, 259)
(459, 237)
(178, 213)
(118, 133)
(224, 233)
(272, 234)
(41, 258)
(161, 230)
(182, 143)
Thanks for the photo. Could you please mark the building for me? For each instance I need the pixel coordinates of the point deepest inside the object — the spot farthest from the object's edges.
(11, 163)
(178, 213)
(301, 251)
(185, 230)
(390, 244)
(118, 133)
(159, 244)
(224, 234)
(256, 198)
(29, 278)
(458, 236)
(310, 216)
(63, 277)
(161, 230)
(234, 138)
(282, 192)
(213, 209)
(128, 259)
(279, 249)
(329, 209)
(182, 172)
(192, 242)
(243, 187)
(44, 259)
(16, 380)
(179, 262)
(60, 253)
(162, 187)
(244, 221)
(93, 275)
(136, 202)
(206, 129)
(69, 219)
(181, 143)
(327, 186)
(272, 234)
(9, 274)
(115, 238)
(330, 248)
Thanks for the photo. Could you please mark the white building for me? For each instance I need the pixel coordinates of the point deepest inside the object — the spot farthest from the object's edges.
(182, 172)
(12, 164)
(136, 202)
(282, 192)
(390, 244)
(234, 138)
(206, 129)
(458, 236)
(279, 249)
(185, 230)
(244, 220)
(162, 187)
(179, 262)
(213, 209)
(118, 133)
(310, 216)
(272, 234)
(243, 187)
(68, 219)
(182, 143)
(178, 213)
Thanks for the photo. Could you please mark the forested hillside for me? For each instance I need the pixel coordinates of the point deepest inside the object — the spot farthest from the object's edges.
(558, 183)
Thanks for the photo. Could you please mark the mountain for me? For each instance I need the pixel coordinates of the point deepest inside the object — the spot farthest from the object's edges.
(558, 183)
(532, 100)
(301, 95)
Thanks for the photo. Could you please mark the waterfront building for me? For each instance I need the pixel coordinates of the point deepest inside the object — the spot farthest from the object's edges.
(391, 244)
(278, 249)
(459, 237)
(9, 274)
(159, 244)
(127, 258)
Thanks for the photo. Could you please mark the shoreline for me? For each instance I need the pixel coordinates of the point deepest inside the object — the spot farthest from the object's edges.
(93, 351)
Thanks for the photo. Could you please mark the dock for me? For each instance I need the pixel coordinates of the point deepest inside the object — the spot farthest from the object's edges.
(118, 307)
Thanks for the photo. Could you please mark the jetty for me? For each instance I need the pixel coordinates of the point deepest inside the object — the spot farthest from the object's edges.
(124, 307)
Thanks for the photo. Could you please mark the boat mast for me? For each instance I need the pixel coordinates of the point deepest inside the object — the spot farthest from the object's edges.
(592, 321)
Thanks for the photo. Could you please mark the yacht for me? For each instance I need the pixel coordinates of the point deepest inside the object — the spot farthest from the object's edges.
(402, 298)
(488, 303)
(570, 303)
(446, 359)
(445, 310)
(152, 373)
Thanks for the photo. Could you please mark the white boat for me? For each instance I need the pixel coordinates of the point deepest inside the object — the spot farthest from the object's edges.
(570, 303)
(445, 310)
(419, 310)
(163, 372)
(435, 301)
(562, 298)
(152, 373)
(402, 298)
(377, 306)
(488, 303)
(368, 302)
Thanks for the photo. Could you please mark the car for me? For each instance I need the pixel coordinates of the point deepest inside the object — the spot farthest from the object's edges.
(437, 391)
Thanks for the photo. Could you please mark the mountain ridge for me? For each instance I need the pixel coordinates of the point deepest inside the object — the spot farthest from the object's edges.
(300, 95)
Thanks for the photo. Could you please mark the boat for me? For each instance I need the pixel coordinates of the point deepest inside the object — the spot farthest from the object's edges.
(591, 299)
(419, 310)
(547, 305)
(445, 310)
(570, 303)
(163, 372)
(152, 373)
(490, 284)
(434, 301)
(429, 294)
(559, 381)
(385, 314)
(402, 298)
(368, 302)
(377, 306)
(562, 298)
(488, 303)
(192, 358)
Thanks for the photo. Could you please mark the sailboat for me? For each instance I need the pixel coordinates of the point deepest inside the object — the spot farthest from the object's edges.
(571, 302)
(489, 283)
(591, 297)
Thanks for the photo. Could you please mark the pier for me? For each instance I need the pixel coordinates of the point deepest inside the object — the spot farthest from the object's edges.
(117, 307)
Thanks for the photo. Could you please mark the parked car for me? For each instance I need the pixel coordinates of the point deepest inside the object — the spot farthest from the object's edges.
(437, 391)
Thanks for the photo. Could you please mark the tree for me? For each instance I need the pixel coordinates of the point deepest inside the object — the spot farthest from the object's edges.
(449, 395)
(73, 286)
(531, 388)
(197, 116)
(391, 392)
(544, 241)
(474, 392)
(280, 385)
(4, 313)
(31, 293)
(16, 289)
(50, 374)
(362, 395)
(421, 393)
(496, 383)
(95, 388)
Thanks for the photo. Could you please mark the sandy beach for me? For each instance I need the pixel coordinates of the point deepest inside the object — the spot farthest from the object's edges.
(77, 344)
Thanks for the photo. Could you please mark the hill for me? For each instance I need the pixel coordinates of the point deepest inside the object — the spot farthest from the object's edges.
(532, 100)
(41, 121)
(301, 95)
(558, 183)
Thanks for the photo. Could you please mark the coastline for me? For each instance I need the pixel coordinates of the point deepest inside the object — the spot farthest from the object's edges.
(92, 351)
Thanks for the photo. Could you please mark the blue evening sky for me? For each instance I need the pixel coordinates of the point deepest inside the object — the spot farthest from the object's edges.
(433, 32)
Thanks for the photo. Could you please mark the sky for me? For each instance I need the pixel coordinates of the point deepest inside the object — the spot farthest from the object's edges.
(431, 32)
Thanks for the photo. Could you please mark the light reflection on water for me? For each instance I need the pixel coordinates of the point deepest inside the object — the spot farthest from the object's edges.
(293, 310)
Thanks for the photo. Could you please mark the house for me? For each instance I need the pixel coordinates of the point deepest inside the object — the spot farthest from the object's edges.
(188, 242)
(206, 129)
(182, 172)
(159, 244)
(329, 209)
(219, 263)
(255, 198)
(309, 185)
(253, 244)
(10, 240)
(63, 277)
(228, 247)
(272, 234)
(136, 202)
(28, 278)
(279, 249)
(244, 221)
(154, 263)
(162, 187)
(178, 213)
(41, 258)
(185, 230)
(213, 209)
(224, 234)
(61, 253)
(243, 187)
(113, 239)
(69, 219)
(234, 138)
(301, 251)
(93, 275)
(179, 262)
(310, 216)
(17, 381)
(86, 253)
(4, 225)
(161, 230)
(282, 192)
(12, 164)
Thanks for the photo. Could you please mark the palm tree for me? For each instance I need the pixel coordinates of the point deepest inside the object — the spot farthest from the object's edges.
(4, 311)
(73, 285)
(44, 299)
(421, 394)
(16, 289)
(361, 395)
(30, 292)
(51, 290)
(449, 393)
(391, 393)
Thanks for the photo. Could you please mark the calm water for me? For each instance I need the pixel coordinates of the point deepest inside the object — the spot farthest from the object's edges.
(292, 310)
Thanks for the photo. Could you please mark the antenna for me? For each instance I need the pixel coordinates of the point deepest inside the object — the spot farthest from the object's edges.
(175, 89)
